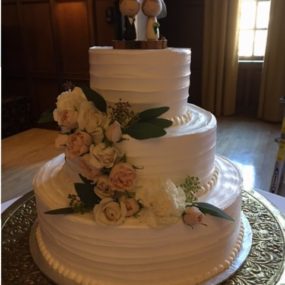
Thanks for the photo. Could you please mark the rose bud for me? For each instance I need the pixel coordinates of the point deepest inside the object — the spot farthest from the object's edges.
(192, 216)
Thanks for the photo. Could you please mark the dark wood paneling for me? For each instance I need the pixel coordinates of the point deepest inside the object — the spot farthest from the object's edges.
(38, 37)
(106, 16)
(73, 36)
(12, 55)
(44, 93)
(183, 27)
(248, 88)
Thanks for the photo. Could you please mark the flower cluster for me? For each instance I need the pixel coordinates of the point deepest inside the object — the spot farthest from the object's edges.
(90, 137)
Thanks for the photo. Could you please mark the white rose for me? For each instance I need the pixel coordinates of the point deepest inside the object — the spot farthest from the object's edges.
(103, 188)
(114, 132)
(109, 212)
(87, 170)
(97, 135)
(103, 156)
(71, 100)
(90, 118)
(163, 198)
(67, 107)
(66, 119)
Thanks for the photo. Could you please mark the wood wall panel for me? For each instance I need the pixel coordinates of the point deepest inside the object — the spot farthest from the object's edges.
(106, 19)
(73, 37)
(12, 56)
(38, 37)
(44, 93)
(248, 88)
(183, 27)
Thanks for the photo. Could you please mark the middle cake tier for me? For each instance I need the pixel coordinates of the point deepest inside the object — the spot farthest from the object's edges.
(188, 149)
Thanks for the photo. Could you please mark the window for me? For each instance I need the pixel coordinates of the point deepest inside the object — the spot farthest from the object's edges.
(253, 25)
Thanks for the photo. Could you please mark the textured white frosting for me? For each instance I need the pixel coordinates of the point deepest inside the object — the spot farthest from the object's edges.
(145, 78)
(133, 253)
(187, 149)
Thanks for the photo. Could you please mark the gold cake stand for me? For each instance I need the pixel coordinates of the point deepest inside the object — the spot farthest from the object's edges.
(265, 264)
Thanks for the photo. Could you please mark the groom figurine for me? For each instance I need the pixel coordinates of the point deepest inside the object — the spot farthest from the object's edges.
(129, 9)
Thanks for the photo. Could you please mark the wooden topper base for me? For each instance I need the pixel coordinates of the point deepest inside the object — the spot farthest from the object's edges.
(159, 44)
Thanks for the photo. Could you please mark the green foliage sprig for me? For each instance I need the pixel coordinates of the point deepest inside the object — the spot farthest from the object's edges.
(191, 186)
(83, 202)
(148, 125)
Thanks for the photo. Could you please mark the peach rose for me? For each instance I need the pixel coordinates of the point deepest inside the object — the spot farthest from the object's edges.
(103, 188)
(192, 216)
(132, 206)
(77, 144)
(114, 132)
(123, 177)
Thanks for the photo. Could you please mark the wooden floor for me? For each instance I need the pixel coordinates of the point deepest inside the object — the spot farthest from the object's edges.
(250, 145)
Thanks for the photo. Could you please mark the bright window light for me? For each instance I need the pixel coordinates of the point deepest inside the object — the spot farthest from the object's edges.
(253, 25)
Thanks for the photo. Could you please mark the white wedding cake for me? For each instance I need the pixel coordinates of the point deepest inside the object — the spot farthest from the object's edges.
(139, 195)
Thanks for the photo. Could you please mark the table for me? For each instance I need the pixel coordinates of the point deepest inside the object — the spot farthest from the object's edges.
(22, 156)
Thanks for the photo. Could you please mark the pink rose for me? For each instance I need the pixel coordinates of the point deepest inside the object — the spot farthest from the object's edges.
(122, 177)
(114, 132)
(103, 188)
(66, 119)
(132, 206)
(193, 216)
(88, 171)
(77, 144)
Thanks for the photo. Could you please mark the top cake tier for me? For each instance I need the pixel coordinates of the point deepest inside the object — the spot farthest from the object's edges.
(144, 78)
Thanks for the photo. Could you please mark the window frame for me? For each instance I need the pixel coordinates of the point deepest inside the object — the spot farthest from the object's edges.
(253, 57)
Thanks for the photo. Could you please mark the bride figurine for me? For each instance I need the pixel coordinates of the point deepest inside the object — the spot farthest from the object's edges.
(152, 9)
(129, 9)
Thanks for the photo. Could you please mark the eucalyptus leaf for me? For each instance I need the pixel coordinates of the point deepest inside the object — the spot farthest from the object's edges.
(163, 123)
(86, 194)
(145, 130)
(46, 117)
(207, 208)
(61, 211)
(152, 113)
(96, 98)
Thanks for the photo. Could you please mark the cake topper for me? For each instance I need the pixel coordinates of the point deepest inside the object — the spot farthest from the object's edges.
(152, 9)
(129, 9)
(141, 28)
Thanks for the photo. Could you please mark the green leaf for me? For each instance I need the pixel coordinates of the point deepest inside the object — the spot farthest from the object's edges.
(152, 113)
(46, 117)
(144, 130)
(61, 211)
(163, 123)
(86, 194)
(96, 98)
(207, 208)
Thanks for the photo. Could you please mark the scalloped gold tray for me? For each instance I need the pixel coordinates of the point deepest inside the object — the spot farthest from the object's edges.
(265, 264)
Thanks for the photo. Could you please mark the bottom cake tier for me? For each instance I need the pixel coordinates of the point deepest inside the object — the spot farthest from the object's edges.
(83, 252)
